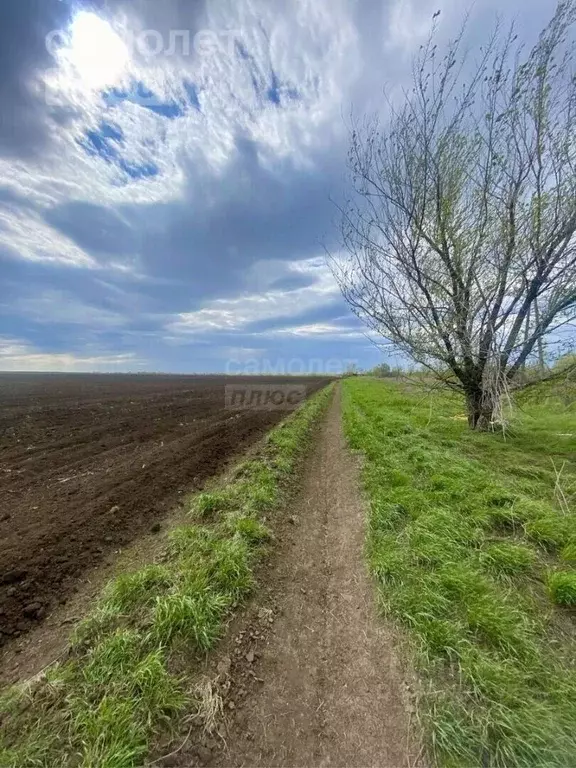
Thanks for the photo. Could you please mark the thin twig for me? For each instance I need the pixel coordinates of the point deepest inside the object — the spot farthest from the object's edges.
(558, 491)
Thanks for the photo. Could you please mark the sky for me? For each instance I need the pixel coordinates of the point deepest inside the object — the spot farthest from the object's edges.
(168, 172)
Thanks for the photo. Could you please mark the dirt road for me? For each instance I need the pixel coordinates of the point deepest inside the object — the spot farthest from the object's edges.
(328, 689)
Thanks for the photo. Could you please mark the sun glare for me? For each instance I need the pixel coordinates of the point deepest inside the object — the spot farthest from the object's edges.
(96, 51)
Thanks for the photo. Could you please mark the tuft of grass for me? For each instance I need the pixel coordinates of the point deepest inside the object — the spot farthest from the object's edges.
(136, 589)
(248, 528)
(195, 616)
(186, 541)
(461, 528)
(568, 554)
(551, 531)
(229, 567)
(562, 587)
(508, 559)
(261, 481)
(104, 705)
(111, 732)
(386, 516)
(211, 502)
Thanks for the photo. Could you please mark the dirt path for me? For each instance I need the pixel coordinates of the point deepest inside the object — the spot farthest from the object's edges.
(331, 692)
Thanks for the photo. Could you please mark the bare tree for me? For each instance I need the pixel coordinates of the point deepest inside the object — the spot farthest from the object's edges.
(459, 239)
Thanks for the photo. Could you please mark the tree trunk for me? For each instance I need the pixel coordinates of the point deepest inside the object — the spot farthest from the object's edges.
(473, 406)
(481, 406)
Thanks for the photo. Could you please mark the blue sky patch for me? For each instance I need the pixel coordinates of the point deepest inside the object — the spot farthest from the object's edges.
(141, 95)
(103, 141)
(139, 171)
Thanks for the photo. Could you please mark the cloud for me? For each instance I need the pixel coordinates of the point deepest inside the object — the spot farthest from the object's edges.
(25, 124)
(241, 312)
(17, 355)
(173, 207)
(60, 308)
(410, 22)
(323, 330)
(97, 230)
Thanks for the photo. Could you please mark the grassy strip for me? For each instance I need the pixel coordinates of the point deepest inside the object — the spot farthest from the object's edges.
(471, 545)
(103, 706)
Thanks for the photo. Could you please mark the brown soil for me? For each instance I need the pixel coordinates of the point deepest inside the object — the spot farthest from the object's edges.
(89, 463)
(309, 674)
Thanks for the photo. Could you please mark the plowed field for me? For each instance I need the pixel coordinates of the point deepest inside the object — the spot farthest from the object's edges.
(89, 462)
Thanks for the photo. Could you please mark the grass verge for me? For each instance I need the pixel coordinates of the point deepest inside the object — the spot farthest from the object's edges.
(103, 706)
(470, 541)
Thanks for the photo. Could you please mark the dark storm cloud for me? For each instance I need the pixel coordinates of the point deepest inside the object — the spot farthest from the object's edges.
(49, 285)
(24, 24)
(100, 231)
(202, 246)
(231, 221)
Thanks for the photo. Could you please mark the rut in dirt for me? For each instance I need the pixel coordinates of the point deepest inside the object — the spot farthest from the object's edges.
(332, 692)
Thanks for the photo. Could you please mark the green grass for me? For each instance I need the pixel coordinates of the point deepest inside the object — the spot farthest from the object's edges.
(211, 502)
(562, 587)
(104, 705)
(471, 547)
